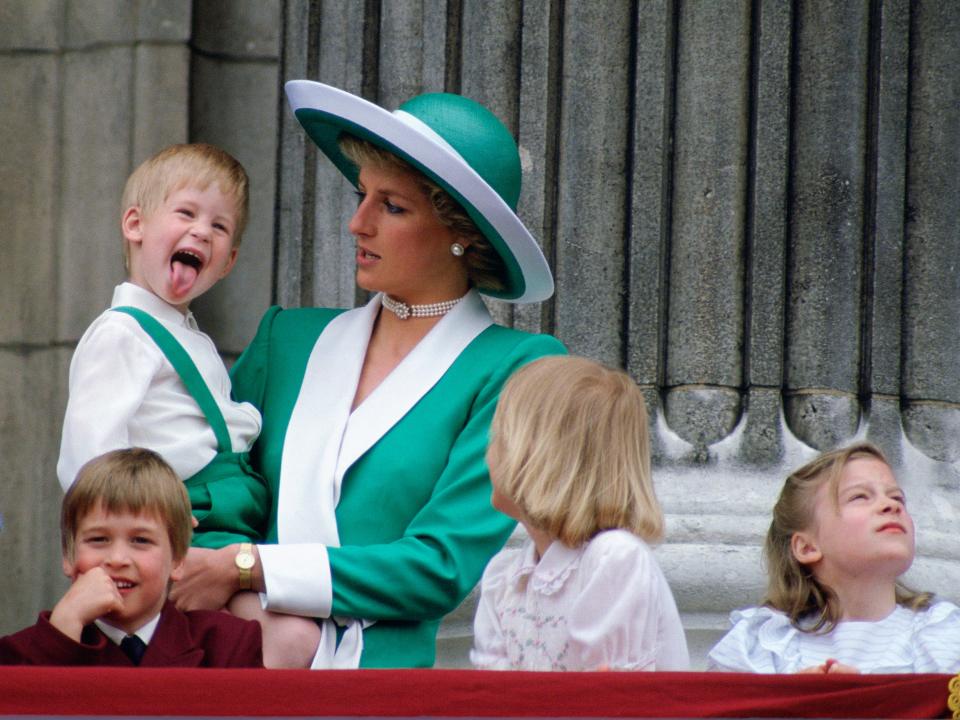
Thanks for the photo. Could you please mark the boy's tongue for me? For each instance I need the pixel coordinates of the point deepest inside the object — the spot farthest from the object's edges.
(182, 277)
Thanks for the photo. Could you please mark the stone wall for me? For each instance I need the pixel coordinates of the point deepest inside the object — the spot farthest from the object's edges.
(750, 205)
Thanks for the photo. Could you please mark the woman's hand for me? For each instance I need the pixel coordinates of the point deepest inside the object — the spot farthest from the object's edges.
(208, 579)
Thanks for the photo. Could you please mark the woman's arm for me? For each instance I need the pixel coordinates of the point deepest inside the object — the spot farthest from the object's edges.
(394, 564)
(210, 578)
(432, 475)
(442, 553)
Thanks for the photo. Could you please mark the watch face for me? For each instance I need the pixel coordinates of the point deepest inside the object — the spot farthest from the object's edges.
(245, 561)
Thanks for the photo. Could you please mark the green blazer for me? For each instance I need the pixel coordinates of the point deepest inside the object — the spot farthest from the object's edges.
(411, 488)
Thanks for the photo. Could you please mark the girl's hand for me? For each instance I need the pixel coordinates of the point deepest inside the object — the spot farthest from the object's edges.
(834, 667)
(93, 594)
(830, 667)
(209, 579)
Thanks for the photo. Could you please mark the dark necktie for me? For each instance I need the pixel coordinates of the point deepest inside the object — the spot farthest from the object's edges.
(134, 647)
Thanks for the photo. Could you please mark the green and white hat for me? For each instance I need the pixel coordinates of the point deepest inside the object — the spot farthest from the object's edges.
(454, 141)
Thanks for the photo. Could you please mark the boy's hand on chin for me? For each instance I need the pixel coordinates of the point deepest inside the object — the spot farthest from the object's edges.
(208, 579)
(93, 594)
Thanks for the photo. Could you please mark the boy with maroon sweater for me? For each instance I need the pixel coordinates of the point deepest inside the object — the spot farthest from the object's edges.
(125, 529)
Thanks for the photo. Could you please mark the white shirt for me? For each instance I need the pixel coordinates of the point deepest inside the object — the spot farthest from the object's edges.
(116, 635)
(603, 604)
(762, 640)
(125, 393)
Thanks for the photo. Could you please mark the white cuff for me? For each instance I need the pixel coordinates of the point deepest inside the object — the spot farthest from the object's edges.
(297, 579)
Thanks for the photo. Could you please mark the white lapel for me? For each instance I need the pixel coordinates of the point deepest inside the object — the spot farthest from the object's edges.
(306, 500)
(324, 438)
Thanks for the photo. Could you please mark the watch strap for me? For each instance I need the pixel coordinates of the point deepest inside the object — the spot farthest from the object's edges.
(244, 569)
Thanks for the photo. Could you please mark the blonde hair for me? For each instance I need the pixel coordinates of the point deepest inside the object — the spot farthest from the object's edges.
(570, 447)
(187, 165)
(792, 587)
(485, 268)
(133, 480)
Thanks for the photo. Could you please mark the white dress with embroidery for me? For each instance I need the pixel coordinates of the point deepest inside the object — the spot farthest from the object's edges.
(762, 640)
(605, 604)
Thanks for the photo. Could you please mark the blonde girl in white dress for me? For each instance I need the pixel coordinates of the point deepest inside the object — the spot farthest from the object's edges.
(569, 458)
(840, 539)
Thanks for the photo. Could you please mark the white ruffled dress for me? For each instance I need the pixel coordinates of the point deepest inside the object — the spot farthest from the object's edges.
(605, 604)
(762, 640)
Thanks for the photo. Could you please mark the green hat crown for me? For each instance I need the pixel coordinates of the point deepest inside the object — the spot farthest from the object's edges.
(477, 135)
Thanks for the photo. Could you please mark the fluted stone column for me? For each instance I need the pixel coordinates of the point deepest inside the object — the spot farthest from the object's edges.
(825, 265)
(705, 332)
(591, 194)
(931, 383)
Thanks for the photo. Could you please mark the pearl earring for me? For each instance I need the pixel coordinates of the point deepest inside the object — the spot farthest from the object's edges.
(457, 249)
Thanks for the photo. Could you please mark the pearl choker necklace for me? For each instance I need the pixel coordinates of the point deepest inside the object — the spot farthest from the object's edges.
(404, 311)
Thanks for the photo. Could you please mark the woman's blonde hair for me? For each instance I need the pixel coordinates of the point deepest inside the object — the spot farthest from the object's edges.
(792, 587)
(132, 480)
(485, 267)
(570, 446)
(187, 165)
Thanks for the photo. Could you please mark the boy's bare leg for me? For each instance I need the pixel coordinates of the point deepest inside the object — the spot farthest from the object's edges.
(289, 641)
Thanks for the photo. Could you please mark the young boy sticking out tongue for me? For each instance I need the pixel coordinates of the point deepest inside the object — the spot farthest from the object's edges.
(143, 375)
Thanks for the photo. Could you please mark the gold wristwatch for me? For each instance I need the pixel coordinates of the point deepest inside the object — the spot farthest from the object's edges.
(245, 560)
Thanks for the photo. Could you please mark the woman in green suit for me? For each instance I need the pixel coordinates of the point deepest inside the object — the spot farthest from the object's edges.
(376, 419)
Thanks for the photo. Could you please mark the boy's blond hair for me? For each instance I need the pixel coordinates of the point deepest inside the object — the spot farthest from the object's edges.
(791, 587)
(570, 446)
(133, 480)
(187, 165)
(485, 267)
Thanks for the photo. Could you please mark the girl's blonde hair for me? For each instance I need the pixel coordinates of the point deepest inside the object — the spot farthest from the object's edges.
(792, 587)
(570, 447)
(485, 267)
(187, 165)
(131, 480)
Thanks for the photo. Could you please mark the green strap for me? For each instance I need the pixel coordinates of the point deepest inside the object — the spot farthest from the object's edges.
(187, 371)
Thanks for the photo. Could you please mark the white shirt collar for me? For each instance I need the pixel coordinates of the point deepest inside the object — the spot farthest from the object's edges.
(549, 574)
(145, 632)
(135, 296)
